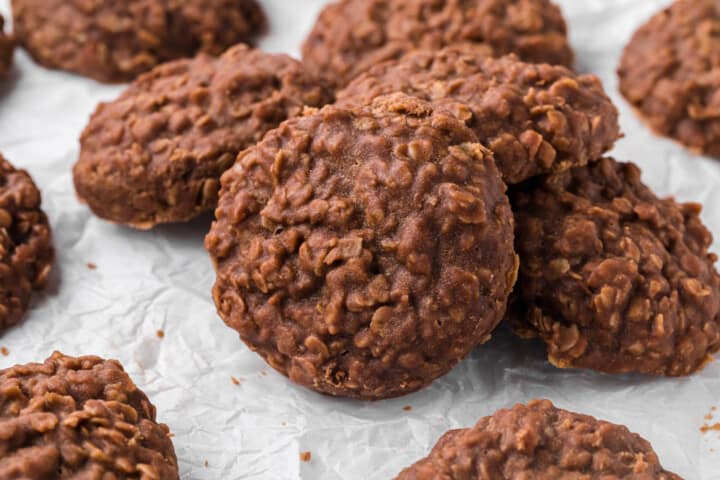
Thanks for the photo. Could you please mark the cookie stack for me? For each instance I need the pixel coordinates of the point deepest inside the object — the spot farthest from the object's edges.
(428, 171)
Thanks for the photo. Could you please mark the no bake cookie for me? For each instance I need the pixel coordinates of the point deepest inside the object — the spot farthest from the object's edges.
(364, 252)
(26, 251)
(541, 442)
(351, 36)
(114, 41)
(7, 47)
(72, 418)
(536, 118)
(155, 155)
(613, 278)
(670, 73)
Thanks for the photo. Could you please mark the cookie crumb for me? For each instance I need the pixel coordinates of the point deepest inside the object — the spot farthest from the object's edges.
(707, 428)
(5, 351)
(708, 417)
(91, 266)
(206, 464)
(305, 456)
(263, 373)
(235, 380)
(160, 334)
(407, 408)
(284, 424)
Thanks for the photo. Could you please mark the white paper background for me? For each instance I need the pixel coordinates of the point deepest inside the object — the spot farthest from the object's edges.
(161, 280)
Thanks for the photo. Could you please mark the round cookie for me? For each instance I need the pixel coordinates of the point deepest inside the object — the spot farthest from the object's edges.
(613, 278)
(669, 73)
(80, 418)
(364, 252)
(351, 36)
(26, 251)
(7, 48)
(155, 155)
(541, 442)
(536, 118)
(115, 41)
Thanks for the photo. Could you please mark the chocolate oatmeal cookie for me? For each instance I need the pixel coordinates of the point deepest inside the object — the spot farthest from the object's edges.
(7, 48)
(72, 418)
(670, 73)
(351, 36)
(155, 154)
(26, 252)
(115, 41)
(364, 252)
(536, 118)
(541, 442)
(613, 278)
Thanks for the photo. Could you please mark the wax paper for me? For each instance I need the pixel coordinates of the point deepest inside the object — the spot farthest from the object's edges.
(258, 426)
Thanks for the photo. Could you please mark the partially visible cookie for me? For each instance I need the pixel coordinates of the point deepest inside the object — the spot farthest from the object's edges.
(364, 252)
(351, 36)
(7, 48)
(155, 155)
(670, 72)
(613, 278)
(541, 442)
(73, 418)
(536, 118)
(26, 251)
(115, 41)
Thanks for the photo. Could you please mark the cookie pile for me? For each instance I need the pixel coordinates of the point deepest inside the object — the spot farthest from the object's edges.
(428, 171)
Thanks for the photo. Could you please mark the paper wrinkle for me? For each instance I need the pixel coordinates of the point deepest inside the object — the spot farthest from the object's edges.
(147, 281)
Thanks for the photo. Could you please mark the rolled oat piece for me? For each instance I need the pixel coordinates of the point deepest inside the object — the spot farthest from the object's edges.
(7, 48)
(541, 442)
(364, 252)
(26, 251)
(351, 36)
(115, 41)
(155, 155)
(536, 118)
(80, 418)
(670, 73)
(612, 277)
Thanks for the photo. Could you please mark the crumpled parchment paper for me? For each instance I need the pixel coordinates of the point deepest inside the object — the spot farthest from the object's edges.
(257, 429)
